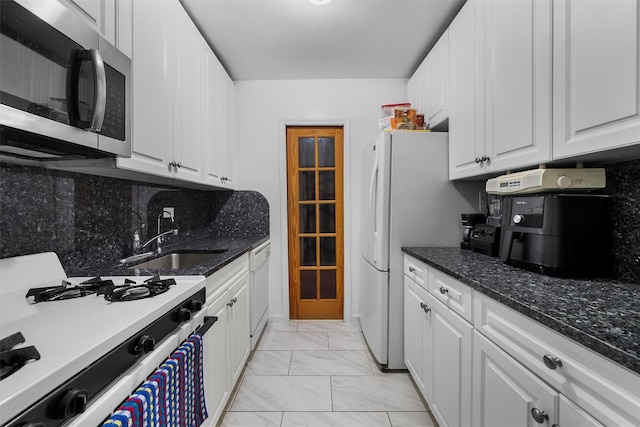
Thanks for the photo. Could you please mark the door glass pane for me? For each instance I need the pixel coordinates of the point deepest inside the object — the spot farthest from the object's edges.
(307, 185)
(307, 152)
(308, 288)
(327, 251)
(327, 284)
(327, 189)
(328, 218)
(326, 156)
(307, 251)
(308, 218)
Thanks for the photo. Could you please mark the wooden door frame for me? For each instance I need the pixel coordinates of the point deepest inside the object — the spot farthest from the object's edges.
(284, 240)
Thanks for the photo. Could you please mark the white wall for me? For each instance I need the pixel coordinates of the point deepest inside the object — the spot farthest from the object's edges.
(265, 108)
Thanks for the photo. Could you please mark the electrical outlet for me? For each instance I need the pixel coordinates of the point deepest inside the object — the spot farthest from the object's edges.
(168, 213)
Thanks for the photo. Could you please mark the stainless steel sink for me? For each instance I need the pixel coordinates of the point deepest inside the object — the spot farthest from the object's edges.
(177, 260)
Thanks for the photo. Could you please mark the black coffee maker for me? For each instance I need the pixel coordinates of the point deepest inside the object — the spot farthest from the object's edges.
(469, 220)
(558, 234)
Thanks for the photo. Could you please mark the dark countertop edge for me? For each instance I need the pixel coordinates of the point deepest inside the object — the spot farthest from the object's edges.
(595, 344)
(239, 247)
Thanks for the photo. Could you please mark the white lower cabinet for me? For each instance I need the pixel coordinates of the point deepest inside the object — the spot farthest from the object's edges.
(448, 365)
(217, 378)
(438, 344)
(504, 369)
(239, 328)
(416, 330)
(226, 344)
(505, 392)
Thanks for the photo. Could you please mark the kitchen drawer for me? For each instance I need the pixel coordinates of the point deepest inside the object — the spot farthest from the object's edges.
(227, 274)
(416, 270)
(453, 293)
(605, 390)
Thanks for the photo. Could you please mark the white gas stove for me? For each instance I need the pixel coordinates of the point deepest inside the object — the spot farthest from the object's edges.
(72, 334)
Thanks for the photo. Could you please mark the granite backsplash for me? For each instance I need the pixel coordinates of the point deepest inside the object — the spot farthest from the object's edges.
(68, 213)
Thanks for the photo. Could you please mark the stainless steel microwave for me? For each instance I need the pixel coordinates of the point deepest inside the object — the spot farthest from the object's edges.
(64, 90)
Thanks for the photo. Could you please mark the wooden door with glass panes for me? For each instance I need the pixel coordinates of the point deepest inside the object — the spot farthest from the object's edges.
(315, 217)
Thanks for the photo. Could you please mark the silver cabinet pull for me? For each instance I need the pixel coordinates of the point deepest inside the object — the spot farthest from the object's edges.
(551, 361)
(443, 290)
(424, 307)
(539, 416)
(412, 270)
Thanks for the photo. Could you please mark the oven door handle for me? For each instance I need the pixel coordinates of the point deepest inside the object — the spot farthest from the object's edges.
(208, 323)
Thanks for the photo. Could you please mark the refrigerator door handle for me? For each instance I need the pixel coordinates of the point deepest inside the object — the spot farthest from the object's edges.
(373, 189)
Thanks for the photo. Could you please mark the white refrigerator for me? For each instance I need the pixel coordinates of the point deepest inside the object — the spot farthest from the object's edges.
(407, 200)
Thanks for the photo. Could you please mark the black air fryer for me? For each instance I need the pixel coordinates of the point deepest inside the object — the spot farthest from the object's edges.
(565, 235)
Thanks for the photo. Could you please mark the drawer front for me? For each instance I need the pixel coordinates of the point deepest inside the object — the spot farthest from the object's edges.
(226, 274)
(605, 390)
(453, 293)
(416, 270)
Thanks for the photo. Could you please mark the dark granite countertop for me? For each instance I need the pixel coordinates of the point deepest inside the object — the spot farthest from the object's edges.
(233, 246)
(603, 315)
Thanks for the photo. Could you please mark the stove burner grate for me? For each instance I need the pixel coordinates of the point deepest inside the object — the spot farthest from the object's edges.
(149, 288)
(67, 290)
(13, 359)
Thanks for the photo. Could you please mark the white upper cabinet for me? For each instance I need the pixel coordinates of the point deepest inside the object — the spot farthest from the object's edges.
(183, 100)
(152, 141)
(416, 88)
(596, 72)
(466, 80)
(111, 18)
(517, 83)
(435, 106)
(189, 98)
(500, 65)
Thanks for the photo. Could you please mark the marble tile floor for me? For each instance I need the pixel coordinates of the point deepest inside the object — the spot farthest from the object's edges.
(320, 374)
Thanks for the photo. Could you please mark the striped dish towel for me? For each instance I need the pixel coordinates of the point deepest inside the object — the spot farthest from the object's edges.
(173, 396)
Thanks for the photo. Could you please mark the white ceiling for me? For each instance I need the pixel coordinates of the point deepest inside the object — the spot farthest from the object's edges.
(293, 39)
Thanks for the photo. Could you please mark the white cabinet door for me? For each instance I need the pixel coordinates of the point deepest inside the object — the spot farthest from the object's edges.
(466, 83)
(229, 126)
(415, 331)
(572, 416)
(517, 83)
(217, 375)
(152, 142)
(507, 394)
(213, 141)
(188, 111)
(596, 75)
(450, 366)
(437, 82)
(239, 327)
(416, 88)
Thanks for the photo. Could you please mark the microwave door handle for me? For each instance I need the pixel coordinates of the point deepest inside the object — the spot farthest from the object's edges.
(100, 89)
(100, 99)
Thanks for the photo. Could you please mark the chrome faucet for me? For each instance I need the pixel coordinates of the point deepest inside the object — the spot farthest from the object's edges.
(158, 237)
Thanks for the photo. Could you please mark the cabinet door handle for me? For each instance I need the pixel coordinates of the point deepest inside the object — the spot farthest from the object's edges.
(230, 303)
(234, 299)
(551, 361)
(443, 290)
(424, 307)
(485, 159)
(539, 416)
(412, 270)
(478, 160)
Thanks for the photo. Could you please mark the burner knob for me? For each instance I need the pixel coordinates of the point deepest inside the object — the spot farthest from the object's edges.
(146, 344)
(183, 314)
(72, 403)
(195, 305)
